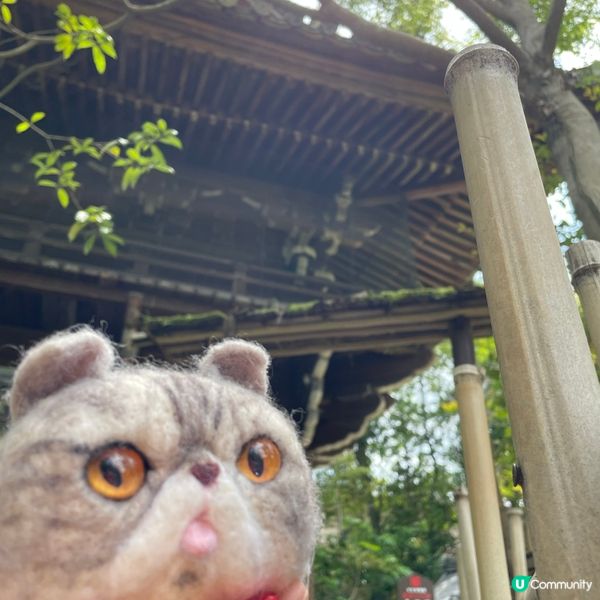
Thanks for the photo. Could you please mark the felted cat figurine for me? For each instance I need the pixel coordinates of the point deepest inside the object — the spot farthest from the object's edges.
(145, 483)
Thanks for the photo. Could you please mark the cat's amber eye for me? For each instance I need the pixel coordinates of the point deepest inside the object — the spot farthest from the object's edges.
(116, 472)
(260, 460)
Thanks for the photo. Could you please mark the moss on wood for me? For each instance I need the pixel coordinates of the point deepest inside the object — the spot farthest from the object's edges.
(214, 320)
(202, 321)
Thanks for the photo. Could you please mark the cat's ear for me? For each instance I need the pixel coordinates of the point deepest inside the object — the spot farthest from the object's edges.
(245, 363)
(57, 362)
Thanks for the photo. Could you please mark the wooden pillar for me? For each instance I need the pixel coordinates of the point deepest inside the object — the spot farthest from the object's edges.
(584, 264)
(133, 312)
(315, 396)
(518, 549)
(467, 546)
(479, 466)
(551, 388)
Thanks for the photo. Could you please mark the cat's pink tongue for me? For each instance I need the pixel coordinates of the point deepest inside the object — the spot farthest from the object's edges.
(199, 538)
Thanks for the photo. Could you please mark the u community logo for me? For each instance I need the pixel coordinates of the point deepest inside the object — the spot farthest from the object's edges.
(521, 583)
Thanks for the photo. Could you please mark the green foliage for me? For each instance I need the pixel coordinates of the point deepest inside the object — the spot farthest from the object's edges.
(58, 167)
(25, 124)
(102, 226)
(423, 19)
(420, 19)
(357, 559)
(389, 505)
(5, 12)
(80, 32)
(589, 84)
(145, 155)
(580, 18)
(550, 175)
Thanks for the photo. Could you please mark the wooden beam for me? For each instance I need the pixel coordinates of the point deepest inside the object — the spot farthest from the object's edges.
(342, 146)
(410, 195)
(408, 316)
(329, 62)
(434, 191)
(89, 288)
(395, 343)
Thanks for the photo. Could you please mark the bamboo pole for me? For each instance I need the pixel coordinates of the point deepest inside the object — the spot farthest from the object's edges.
(485, 509)
(584, 263)
(552, 392)
(479, 465)
(463, 584)
(467, 545)
(518, 550)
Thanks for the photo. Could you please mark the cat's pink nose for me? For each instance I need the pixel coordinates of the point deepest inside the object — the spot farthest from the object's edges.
(206, 473)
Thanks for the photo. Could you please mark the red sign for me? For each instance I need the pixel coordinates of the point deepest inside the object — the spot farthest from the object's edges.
(415, 587)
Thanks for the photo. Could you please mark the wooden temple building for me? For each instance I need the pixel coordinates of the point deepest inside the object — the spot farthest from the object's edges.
(318, 205)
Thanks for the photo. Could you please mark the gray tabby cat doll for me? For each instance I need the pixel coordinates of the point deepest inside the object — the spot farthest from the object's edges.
(144, 483)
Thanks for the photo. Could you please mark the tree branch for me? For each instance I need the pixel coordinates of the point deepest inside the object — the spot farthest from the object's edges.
(32, 37)
(11, 111)
(553, 27)
(18, 50)
(498, 10)
(480, 17)
(118, 22)
(27, 72)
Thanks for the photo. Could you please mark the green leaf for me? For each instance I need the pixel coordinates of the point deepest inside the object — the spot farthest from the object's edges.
(131, 177)
(369, 546)
(89, 244)
(6, 14)
(110, 245)
(75, 230)
(157, 154)
(23, 126)
(99, 59)
(165, 169)
(133, 154)
(46, 183)
(9, 1)
(109, 49)
(172, 141)
(53, 157)
(161, 124)
(63, 197)
(39, 159)
(63, 11)
(69, 166)
(46, 171)
(150, 128)
(87, 22)
(117, 239)
(37, 116)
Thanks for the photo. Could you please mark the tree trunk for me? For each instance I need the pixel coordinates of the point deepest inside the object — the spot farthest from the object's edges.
(574, 139)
